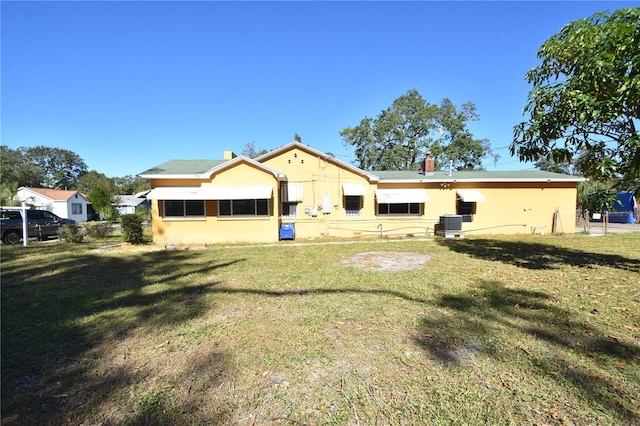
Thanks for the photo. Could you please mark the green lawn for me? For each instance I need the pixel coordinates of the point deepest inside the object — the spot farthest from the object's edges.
(491, 330)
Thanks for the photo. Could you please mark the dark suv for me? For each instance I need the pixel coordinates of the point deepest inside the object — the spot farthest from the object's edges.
(42, 224)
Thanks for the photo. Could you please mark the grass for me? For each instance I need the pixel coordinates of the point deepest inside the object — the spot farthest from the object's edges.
(495, 330)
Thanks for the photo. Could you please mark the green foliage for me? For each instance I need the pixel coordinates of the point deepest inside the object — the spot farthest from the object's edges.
(100, 197)
(144, 212)
(92, 178)
(132, 228)
(61, 167)
(15, 171)
(401, 135)
(130, 184)
(72, 233)
(98, 230)
(586, 99)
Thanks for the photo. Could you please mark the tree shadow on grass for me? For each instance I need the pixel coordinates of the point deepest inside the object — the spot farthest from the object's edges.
(481, 315)
(533, 255)
(57, 315)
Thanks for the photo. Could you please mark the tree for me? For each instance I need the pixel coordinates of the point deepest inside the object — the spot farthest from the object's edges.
(586, 98)
(401, 135)
(101, 200)
(251, 151)
(130, 184)
(16, 171)
(61, 168)
(90, 179)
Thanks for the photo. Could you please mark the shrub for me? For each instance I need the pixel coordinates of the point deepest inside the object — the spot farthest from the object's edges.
(98, 230)
(131, 225)
(71, 233)
(144, 212)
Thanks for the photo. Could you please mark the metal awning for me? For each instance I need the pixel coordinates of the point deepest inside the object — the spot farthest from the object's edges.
(291, 192)
(211, 193)
(354, 189)
(470, 195)
(407, 195)
(257, 192)
(175, 193)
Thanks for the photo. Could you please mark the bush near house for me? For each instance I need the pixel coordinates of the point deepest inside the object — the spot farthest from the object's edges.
(132, 228)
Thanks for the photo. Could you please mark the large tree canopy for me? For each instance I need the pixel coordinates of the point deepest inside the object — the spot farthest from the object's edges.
(60, 168)
(401, 135)
(585, 98)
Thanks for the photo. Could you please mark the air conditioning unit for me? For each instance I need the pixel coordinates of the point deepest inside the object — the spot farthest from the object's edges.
(450, 225)
(451, 222)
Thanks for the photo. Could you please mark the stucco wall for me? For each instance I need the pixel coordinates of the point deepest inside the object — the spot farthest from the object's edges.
(508, 208)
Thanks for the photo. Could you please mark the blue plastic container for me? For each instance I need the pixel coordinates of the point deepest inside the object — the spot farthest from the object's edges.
(287, 231)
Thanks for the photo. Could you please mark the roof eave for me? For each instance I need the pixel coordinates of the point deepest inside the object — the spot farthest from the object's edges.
(476, 180)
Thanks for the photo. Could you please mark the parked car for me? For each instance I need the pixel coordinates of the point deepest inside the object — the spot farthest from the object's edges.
(42, 224)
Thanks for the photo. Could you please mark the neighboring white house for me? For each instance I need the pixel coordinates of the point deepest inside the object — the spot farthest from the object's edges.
(126, 204)
(66, 204)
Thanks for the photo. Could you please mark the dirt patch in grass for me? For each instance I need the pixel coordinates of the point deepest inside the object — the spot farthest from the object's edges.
(387, 261)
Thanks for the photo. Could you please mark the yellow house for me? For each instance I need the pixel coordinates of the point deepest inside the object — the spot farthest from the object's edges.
(296, 191)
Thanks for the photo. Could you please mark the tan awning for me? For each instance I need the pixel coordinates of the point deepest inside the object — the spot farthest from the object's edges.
(397, 196)
(354, 189)
(470, 195)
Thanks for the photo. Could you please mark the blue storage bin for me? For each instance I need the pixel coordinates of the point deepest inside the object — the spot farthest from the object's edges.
(287, 231)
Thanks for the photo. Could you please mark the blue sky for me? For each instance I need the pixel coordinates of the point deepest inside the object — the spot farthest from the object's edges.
(129, 85)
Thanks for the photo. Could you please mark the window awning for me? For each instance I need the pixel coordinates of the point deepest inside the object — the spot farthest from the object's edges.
(397, 196)
(470, 195)
(354, 189)
(211, 193)
(259, 192)
(291, 192)
(175, 193)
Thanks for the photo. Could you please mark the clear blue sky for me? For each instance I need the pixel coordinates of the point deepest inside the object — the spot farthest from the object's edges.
(129, 85)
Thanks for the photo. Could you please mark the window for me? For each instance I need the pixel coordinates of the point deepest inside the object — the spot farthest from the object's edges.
(352, 205)
(76, 208)
(253, 207)
(399, 209)
(289, 209)
(466, 210)
(183, 208)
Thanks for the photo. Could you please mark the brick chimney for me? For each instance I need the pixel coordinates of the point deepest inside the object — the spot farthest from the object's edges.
(429, 165)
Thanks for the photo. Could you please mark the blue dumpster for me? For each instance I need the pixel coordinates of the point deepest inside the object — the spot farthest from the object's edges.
(287, 231)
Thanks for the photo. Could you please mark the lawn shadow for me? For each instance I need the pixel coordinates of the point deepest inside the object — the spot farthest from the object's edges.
(480, 315)
(535, 255)
(50, 350)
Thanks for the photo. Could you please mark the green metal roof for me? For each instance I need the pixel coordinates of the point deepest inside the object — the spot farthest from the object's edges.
(183, 167)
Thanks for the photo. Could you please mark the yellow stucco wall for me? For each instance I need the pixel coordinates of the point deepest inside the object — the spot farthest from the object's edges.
(212, 229)
(509, 207)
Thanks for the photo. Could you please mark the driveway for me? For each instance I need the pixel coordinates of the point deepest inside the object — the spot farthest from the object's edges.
(597, 228)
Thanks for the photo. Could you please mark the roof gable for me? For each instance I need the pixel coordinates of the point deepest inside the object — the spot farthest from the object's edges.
(53, 194)
(323, 155)
(201, 169)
